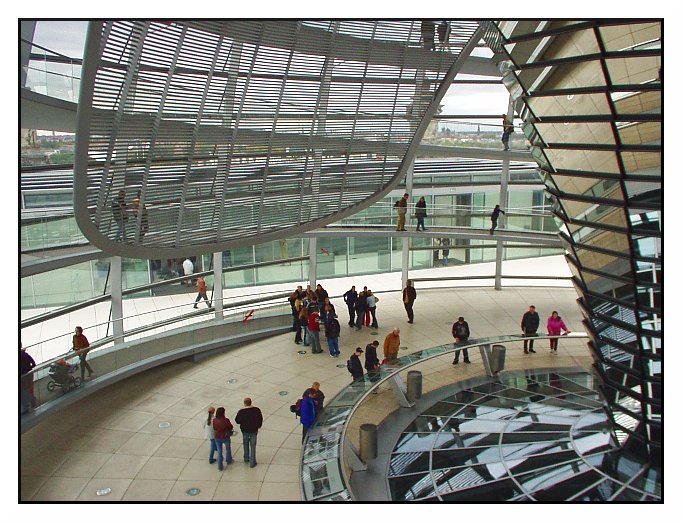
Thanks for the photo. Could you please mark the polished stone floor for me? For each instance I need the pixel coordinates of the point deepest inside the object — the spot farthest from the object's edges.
(112, 439)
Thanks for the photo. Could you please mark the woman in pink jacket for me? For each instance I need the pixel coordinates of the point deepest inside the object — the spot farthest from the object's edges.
(554, 327)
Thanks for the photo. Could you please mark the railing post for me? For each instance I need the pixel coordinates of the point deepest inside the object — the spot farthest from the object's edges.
(218, 284)
(485, 357)
(398, 387)
(405, 261)
(116, 299)
(353, 456)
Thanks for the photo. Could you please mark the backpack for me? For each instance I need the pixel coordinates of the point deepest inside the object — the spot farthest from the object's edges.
(296, 408)
(349, 366)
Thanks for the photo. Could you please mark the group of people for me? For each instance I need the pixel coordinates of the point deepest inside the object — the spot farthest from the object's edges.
(79, 344)
(310, 309)
(360, 307)
(218, 430)
(428, 33)
(372, 363)
(119, 211)
(530, 322)
(420, 214)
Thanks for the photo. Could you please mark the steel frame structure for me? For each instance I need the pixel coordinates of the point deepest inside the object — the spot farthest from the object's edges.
(243, 131)
(590, 94)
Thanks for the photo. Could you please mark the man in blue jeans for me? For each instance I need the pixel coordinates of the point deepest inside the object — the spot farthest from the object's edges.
(250, 419)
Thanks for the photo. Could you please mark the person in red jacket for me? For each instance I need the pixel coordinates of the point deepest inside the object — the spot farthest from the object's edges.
(223, 430)
(80, 345)
(201, 289)
(314, 330)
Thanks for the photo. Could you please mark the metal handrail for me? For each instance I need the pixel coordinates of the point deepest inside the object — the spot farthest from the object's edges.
(149, 286)
(391, 370)
(233, 310)
(461, 278)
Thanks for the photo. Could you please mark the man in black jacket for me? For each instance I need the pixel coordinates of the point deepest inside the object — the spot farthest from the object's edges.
(372, 360)
(460, 331)
(360, 309)
(356, 365)
(332, 330)
(529, 326)
(409, 295)
(250, 419)
(494, 216)
(349, 298)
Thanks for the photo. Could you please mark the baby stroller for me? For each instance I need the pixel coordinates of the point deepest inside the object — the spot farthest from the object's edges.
(61, 376)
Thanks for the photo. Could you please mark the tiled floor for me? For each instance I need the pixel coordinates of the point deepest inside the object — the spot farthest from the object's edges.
(112, 439)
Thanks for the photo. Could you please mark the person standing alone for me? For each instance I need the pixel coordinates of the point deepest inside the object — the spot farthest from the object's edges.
(420, 212)
(401, 205)
(529, 326)
(391, 345)
(201, 291)
(80, 345)
(119, 211)
(409, 296)
(349, 298)
(507, 130)
(494, 217)
(250, 420)
(460, 331)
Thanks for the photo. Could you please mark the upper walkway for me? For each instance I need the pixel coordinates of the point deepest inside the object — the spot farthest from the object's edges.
(43, 261)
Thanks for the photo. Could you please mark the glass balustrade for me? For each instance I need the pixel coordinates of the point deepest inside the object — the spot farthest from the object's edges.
(325, 468)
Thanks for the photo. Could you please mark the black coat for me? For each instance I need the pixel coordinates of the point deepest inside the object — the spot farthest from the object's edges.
(461, 330)
(530, 322)
(350, 297)
(356, 367)
(332, 329)
(371, 359)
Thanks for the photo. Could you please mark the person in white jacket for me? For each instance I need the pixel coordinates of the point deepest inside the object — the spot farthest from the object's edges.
(210, 434)
(188, 268)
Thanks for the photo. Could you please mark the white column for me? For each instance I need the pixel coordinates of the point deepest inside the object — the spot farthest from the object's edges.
(312, 266)
(218, 284)
(116, 298)
(409, 177)
(504, 200)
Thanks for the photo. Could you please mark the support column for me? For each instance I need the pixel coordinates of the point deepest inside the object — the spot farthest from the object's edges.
(116, 299)
(218, 284)
(312, 265)
(504, 200)
(409, 177)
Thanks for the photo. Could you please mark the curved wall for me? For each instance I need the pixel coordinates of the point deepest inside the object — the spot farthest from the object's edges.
(590, 94)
